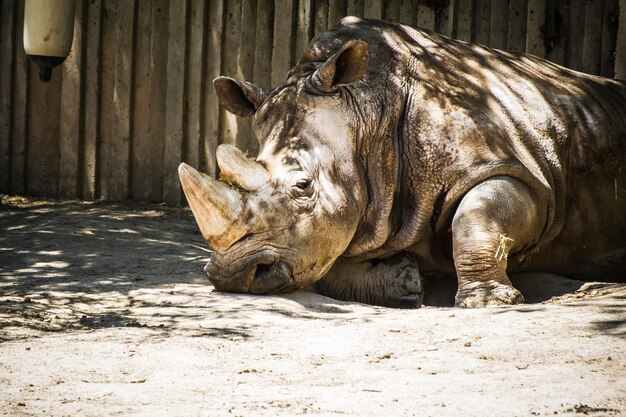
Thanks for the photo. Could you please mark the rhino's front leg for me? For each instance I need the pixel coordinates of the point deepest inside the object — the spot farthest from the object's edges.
(393, 282)
(497, 217)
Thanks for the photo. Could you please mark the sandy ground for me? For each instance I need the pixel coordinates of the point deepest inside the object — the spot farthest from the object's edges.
(104, 310)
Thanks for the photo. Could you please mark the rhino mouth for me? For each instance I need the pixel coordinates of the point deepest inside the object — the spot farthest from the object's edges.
(262, 273)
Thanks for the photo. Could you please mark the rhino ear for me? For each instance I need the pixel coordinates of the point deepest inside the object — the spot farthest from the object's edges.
(239, 97)
(345, 67)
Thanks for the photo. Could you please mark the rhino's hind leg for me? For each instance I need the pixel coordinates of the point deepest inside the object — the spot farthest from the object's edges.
(393, 282)
(497, 217)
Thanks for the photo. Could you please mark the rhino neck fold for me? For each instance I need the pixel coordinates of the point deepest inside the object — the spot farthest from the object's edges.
(380, 160)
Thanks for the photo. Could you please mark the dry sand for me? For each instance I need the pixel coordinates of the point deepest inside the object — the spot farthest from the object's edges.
(104, 310)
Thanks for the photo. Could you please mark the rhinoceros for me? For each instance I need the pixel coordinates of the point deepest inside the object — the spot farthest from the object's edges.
(392, 153)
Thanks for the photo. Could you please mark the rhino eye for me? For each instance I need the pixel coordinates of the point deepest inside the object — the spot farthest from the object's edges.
(304, 186)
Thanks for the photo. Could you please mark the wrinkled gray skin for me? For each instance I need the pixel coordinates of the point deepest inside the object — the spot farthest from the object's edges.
(389, 147)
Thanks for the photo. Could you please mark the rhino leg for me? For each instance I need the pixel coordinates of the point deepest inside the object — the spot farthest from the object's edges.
(497, 217)
(393, 282)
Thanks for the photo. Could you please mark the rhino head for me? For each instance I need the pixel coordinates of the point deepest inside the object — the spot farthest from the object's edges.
(279, 222)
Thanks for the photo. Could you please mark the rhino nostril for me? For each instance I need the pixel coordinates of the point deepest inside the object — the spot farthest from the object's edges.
(271, 278)
(262, 269)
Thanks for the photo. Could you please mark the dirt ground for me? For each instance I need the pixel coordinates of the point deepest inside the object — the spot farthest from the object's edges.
(104, 310)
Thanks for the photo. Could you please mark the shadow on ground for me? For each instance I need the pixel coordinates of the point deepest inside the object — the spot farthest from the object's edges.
(68, 266)
(60, 259)
(82, 266)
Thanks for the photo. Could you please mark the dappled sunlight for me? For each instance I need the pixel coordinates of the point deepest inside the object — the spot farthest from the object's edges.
(123, 231)
(76, 265)
(607, 301)
(11, 228)
(81, 266)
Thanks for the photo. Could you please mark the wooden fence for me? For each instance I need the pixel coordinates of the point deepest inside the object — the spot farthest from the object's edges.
(135, 97)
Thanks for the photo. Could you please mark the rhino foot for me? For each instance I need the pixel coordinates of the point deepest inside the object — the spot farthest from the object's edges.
(393, 282)
(405, 291)
(488, 294)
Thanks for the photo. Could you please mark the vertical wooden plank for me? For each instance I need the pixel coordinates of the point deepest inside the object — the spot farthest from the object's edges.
(482, 19)
(117, 53)
(391, 10)
(355, 8)
(232, 29)
(409, 12)
(148, 107)
(158, 88)
(304, 28)
(212, 130)
(554, 32)
(337, 9)
(516, 41)
(174, 100)
(245, 71)
(444, 20)
(373, 9)
(425, 17)
(195, 79)
(71, 110)
(265, 38)
(232, 36)
(19, 127)
(464, 17)
(245, 58)
(576, 35)
(282, 52)
(42, 157)
(620, 48)
(320, 16)
(91, 99)
(592, 42)
(536, 20)
(142, 132)
(610, 17)
(499, 24)
(7, 21)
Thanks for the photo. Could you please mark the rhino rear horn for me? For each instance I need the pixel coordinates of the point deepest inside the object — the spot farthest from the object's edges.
(345, 67)
(236, 168)
(215, 206)
(239, 97)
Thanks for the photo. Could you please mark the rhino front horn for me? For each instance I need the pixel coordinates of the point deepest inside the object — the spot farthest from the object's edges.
(215, 206)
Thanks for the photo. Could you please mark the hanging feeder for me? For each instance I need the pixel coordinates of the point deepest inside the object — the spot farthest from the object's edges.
(48, 33)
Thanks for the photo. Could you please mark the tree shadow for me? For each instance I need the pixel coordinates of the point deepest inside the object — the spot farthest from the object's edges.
(78, 266)
(615, 327)
(538, 287)
(75, 265)
(612, 311)
(605, 304)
